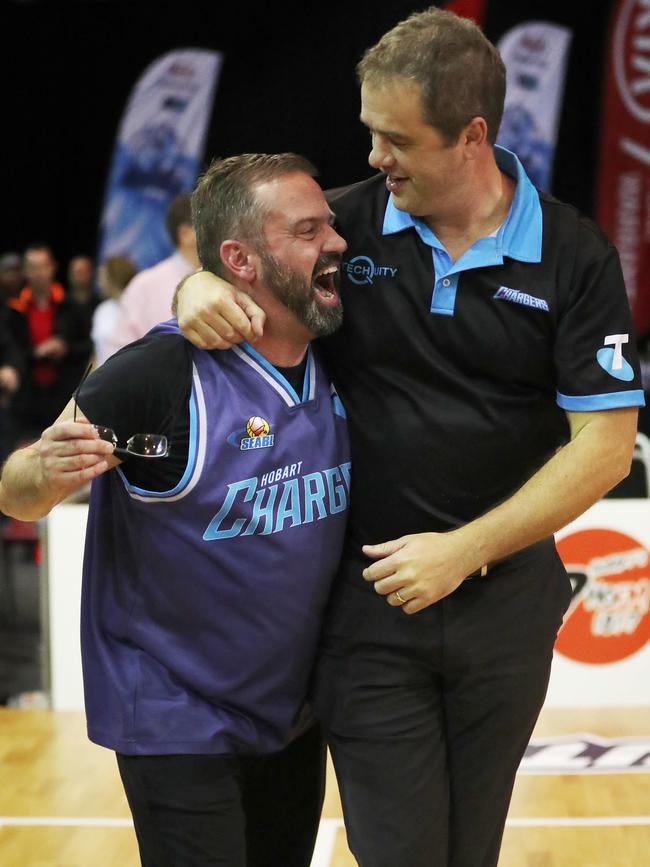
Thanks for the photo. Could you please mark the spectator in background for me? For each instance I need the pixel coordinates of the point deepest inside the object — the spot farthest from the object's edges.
(11, 356)
(11, 371)
(147, 299)
(114, 274)
(81, 286)
(52, 333)
(80, 279)
(12, 279)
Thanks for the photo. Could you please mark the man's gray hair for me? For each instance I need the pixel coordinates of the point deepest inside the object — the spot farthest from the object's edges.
(225, 204)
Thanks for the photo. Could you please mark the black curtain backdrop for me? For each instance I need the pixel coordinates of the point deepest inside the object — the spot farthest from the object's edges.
(287, 83)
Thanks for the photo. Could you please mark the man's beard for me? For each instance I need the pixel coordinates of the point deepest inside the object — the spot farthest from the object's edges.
(297, 294)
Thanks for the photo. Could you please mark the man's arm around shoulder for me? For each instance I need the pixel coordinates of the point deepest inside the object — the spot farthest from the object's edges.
(212, 314)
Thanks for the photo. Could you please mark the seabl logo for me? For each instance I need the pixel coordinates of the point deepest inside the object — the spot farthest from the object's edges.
(257, 435)
(612, 361)
(362, 270)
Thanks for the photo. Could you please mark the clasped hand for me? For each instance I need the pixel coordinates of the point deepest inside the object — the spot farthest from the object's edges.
(417, 570)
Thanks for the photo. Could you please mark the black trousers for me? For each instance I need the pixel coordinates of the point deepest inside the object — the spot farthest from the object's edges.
(228, 810)
(427, 716)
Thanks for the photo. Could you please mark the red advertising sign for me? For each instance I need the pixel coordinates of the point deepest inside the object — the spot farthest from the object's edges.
(474, 9)
(609, 615)
(624, 175)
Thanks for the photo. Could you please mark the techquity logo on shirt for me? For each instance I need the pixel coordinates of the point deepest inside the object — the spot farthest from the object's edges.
(362, 270)
(611, 359)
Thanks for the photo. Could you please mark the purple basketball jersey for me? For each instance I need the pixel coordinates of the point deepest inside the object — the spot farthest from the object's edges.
(202, 605)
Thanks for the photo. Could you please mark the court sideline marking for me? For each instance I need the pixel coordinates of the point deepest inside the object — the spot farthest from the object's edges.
(329, 827)
(524, 822)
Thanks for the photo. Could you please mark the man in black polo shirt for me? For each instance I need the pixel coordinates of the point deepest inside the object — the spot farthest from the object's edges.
(488, 369)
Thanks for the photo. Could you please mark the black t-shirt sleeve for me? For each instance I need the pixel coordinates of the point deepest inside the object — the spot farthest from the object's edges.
(145, 388)
(595, 350)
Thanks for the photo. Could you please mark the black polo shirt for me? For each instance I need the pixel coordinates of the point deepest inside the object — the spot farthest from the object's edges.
(456, 376)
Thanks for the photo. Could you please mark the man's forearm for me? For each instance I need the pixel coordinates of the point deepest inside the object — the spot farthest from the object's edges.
(565, 487)
(425, 567)
(24, 494)
(69, 454)
(177, 292)
(213, 314)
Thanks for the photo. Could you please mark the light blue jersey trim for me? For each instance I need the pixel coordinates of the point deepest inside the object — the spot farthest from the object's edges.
(189, 469)
(337, 404)
(594, 402)
(519, 237)
(338, 407)
(275, 374)
(309, 384)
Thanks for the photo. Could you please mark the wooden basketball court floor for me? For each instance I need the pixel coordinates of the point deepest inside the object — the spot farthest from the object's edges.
(61, 803)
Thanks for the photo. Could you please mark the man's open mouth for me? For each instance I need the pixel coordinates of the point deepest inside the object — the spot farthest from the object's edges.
(325, 285)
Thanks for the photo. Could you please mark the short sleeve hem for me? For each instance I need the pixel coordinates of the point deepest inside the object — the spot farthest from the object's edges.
(595, 402)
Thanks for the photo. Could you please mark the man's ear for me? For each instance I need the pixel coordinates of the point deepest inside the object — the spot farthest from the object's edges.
(474, 136)
(238, 259)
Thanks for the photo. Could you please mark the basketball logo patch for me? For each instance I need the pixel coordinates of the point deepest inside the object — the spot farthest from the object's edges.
(256, 426)
(259, 434)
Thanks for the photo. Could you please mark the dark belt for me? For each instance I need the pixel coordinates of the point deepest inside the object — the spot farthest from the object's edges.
(351, 566)
(518, 557)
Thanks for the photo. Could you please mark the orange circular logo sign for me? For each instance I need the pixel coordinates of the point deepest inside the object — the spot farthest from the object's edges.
(608, 618)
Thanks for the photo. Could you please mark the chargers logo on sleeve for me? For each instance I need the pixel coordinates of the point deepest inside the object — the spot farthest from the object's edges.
(610, 357)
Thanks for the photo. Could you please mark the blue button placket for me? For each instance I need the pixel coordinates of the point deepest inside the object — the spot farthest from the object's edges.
(519, 237)
(485, 251)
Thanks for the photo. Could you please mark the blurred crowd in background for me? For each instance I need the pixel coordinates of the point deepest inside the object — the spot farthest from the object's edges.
(56, 321)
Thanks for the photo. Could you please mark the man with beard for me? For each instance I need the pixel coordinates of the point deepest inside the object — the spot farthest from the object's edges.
(215, 526)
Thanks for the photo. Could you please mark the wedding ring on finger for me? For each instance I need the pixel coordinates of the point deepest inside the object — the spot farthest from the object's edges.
(399, 598)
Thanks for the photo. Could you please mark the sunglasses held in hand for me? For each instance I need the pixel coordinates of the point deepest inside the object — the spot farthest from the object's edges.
(141, 445)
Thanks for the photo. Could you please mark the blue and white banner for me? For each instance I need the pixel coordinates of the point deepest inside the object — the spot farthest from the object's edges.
(158, 153)
(535, 54)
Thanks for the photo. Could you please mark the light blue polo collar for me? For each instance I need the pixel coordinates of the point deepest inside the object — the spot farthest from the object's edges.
(519, 236)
